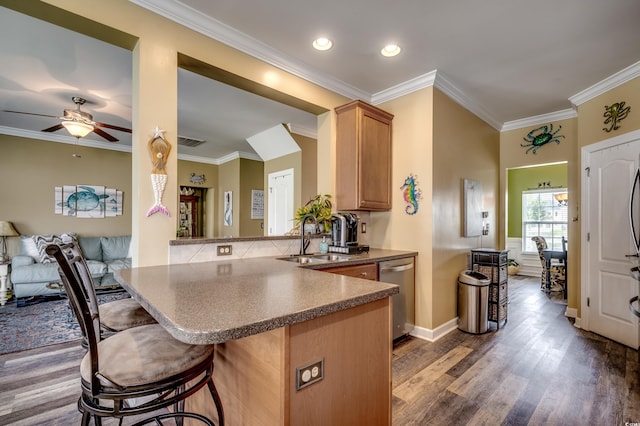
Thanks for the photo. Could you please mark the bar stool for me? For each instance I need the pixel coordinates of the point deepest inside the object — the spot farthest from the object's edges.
(116, 315)
(135, 371)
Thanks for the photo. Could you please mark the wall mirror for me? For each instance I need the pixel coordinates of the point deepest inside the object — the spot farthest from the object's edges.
(249, 133)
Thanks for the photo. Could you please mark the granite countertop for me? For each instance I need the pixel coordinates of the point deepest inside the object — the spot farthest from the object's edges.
(213, 302)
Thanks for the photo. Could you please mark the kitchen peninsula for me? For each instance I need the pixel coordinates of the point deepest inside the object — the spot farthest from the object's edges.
(268, 318)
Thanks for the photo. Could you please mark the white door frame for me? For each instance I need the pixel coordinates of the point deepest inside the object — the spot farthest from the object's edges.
(586, 152)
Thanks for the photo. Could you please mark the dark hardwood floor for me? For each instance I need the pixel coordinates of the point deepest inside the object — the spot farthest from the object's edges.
(537, 370)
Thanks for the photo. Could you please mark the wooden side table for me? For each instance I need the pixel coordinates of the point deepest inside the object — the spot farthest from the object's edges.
(5, 294)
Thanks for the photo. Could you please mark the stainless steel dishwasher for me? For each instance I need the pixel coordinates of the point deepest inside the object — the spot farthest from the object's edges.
(402, 273)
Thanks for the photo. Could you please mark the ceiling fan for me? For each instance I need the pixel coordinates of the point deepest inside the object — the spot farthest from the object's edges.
(79, 123)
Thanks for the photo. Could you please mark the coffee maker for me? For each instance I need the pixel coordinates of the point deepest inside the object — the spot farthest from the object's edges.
(344, 233)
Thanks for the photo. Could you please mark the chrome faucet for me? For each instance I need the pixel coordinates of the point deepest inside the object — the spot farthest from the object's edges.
(304, 242)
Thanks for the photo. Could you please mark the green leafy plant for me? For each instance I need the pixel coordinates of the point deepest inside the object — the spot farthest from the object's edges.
(320, 207)
(512, 262)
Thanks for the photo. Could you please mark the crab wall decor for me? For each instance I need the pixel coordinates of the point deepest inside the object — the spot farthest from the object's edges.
(614, 114)
(540, 137)
(197, 179)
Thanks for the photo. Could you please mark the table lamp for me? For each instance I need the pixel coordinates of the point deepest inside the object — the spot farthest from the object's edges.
(6, 230)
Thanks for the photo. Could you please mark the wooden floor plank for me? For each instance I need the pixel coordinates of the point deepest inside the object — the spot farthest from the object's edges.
(536, 370)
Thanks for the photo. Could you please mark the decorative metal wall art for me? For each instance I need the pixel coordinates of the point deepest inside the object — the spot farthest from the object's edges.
(197, 179)
(411, 194)
(159, 149)
(541, 136)
(614, 114)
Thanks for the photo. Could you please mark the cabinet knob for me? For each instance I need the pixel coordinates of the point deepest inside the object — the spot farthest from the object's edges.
(364, 274)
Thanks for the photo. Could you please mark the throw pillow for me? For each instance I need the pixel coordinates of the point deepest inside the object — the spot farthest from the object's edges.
(42, 241)
(28, 247)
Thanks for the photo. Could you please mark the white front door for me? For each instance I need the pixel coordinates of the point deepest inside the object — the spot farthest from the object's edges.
(608, 175)
(280, 202)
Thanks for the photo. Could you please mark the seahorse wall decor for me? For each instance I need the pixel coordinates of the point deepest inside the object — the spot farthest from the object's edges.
(159, 149)
(411, 194)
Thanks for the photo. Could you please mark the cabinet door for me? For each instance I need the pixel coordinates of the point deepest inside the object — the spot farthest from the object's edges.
(375, 163)
(367, 271)
(363, 157)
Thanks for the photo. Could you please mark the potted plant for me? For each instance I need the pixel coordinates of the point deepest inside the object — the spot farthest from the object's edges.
(320, 207)
(513, 267)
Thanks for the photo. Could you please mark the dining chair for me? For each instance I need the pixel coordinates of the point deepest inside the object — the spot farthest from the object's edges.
(136, 371)
(557, 270)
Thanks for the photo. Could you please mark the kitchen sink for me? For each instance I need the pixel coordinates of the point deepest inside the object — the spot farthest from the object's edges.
(302, 259)
(315, 258)
(331, 257)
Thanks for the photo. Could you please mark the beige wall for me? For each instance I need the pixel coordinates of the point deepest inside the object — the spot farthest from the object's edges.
(251, 177)
(441, 143)
(464, 147)
(591, 119)
(513, 155)
(309, 184)
(155, 96)
(229, 180)
(29, 171)
(589, 130)
(210, 204)
(412, 134)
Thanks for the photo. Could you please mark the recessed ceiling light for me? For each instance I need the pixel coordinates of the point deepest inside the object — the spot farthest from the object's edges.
(390, 50)
(322, 43)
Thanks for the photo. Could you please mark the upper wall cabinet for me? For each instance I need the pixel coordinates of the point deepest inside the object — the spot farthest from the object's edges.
(363, 151)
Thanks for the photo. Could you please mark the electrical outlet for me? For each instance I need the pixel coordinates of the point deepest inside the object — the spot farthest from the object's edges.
(224, 250)
(309, 374)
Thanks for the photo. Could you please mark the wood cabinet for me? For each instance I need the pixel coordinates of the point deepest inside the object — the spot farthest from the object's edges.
(367, 271)
(363, 157)
(256, 375)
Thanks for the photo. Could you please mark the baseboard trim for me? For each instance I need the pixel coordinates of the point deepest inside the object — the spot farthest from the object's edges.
(578, 323)
(435, 334)
(571, 313)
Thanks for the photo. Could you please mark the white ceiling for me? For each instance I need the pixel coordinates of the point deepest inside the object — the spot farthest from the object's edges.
(504, 60)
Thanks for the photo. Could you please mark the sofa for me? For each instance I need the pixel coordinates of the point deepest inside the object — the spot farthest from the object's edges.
(34, 273)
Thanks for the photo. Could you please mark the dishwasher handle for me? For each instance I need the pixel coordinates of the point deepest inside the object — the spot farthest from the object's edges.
(398, 268)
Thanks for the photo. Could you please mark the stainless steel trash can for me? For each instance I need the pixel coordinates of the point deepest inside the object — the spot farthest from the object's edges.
(473, 302)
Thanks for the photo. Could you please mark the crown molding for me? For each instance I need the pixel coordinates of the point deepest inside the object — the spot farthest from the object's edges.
(70, 140)
(437, 79)
(304, 131)
(421, 82)
(46, 136)
(447, 87)
(182, 14)
(611, 82)
(220, 160)
(539, 119)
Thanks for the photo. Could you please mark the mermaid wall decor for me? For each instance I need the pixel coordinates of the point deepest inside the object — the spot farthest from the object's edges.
(411, 194)
(159, 149)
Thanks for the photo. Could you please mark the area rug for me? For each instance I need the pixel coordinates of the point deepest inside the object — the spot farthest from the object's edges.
(42, 324)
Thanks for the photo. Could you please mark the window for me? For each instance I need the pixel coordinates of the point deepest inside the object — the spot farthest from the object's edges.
(544, 213)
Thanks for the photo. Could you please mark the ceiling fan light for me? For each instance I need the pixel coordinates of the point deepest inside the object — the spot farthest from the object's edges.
(77, 128)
